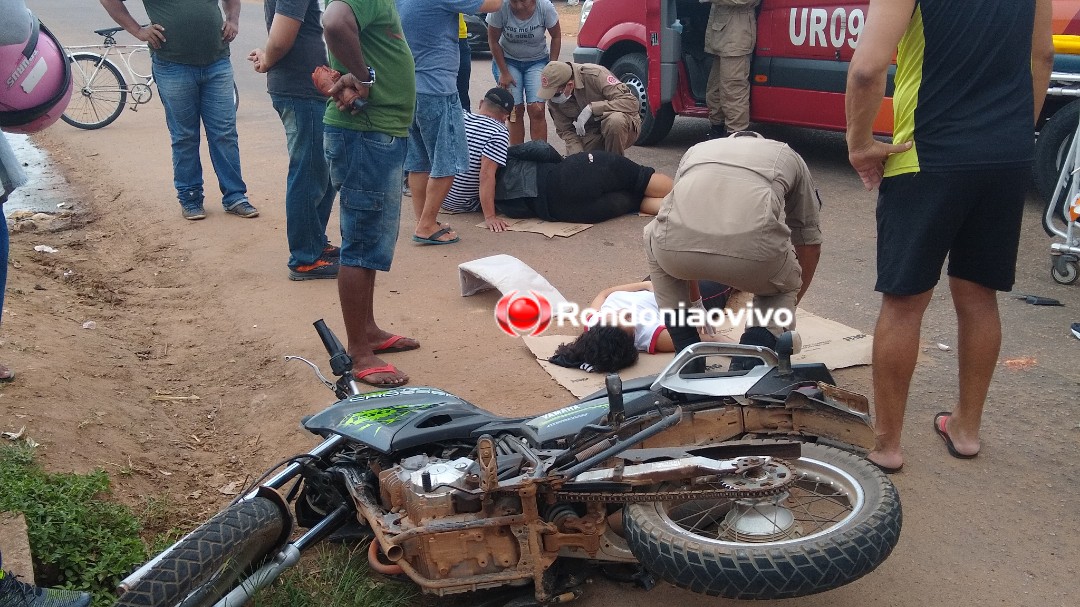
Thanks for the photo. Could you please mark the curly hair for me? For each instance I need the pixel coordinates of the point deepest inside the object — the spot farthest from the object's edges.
(604, 348)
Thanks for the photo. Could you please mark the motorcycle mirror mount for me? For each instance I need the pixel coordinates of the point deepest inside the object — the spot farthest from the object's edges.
(616, 411)
(788, 344)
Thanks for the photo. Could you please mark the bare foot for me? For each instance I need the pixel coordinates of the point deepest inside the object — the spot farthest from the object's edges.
(889, 462)
(383, 342)
(441, 234)
(6, 374)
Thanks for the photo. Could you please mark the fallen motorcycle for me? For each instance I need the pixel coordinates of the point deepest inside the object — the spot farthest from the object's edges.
(733, 484)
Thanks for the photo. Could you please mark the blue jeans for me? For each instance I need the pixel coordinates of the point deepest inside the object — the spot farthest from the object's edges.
(3, 252)
(464, 73)
(365, 167)
(309, 196)
(192, 94)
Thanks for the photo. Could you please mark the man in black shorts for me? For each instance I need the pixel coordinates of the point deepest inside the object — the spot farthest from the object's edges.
(587, 187)
(969, 85)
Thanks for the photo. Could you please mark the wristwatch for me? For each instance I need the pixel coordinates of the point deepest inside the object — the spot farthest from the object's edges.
(371, 77)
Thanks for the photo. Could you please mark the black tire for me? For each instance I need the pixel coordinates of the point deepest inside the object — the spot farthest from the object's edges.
(633, 69)
(98, 94)
(1051, 148)
(809, 562)
(208, 562)
(235, 96)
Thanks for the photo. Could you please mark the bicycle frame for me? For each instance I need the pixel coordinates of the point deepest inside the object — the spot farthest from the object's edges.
(126, 53)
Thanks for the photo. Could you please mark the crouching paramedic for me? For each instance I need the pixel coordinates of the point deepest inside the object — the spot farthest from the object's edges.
(744, 212)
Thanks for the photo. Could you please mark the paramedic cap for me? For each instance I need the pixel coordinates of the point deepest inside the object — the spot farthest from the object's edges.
(555, 76)
(500, 97)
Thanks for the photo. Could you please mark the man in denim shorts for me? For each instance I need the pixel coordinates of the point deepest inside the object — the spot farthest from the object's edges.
(365, 147)
(969, 87)
(437, 147)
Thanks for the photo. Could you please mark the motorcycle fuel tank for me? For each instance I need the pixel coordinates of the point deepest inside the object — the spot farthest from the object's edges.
(400, 418)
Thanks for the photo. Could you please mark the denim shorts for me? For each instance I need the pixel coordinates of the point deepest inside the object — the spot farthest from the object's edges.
(437, 143)
(365, 169)
(527, 76)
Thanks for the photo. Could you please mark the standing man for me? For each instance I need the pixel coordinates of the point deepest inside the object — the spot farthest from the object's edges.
(294, 48)
(437, 147)
(366, 148)
(730, 37)
(189, 44)
(744, 212)
(591, 108)
(969, 87)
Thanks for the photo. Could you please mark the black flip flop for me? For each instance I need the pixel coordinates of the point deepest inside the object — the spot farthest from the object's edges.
(886, 469)
(434, 238)
(939, 427)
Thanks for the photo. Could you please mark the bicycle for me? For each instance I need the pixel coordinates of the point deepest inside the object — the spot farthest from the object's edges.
(100, 90)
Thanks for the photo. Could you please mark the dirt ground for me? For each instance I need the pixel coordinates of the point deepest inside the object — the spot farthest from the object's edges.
(181, 392)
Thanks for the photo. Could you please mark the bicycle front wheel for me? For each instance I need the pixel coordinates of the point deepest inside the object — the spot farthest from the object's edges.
(99, 92)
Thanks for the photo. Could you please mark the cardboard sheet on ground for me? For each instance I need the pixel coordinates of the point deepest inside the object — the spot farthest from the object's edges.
(824, 341)
(507, 274)
(550, 229)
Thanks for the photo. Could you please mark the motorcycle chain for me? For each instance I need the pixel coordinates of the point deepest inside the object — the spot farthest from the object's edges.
(680, 495)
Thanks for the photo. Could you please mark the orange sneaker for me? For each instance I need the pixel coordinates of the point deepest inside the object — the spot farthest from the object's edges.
(320, 269)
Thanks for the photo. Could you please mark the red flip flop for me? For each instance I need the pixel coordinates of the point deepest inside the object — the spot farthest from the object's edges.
(389, 347)
(360, 375)
(939, 427)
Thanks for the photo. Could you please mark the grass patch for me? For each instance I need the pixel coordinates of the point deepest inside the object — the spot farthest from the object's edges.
(79, 540)
(336, 575)
(82, 541)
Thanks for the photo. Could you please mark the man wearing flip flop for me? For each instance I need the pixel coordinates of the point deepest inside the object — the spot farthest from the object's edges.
(437, 148)
(969, 85)
(366, 148)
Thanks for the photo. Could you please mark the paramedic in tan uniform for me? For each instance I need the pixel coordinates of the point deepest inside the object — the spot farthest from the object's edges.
(729, 37)
(591, 108)
(744, 212)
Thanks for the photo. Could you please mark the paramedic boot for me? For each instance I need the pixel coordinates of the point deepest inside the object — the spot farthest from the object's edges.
(14, 593)
(753, 336)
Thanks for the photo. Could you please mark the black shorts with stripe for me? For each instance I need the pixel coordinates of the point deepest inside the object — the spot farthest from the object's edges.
(972, 217)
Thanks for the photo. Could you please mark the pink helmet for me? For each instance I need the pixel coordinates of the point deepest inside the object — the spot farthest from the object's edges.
(35, 82)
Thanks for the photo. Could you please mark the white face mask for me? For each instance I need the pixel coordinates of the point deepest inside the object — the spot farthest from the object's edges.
(559, 98)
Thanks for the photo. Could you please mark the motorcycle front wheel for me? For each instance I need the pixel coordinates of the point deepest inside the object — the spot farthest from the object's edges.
(836, 522)
(207, 563)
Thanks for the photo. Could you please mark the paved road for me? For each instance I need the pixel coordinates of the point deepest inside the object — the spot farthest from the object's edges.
(998, 530)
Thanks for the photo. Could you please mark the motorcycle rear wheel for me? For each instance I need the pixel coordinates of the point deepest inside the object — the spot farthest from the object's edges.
(208, 562)
(840, 519)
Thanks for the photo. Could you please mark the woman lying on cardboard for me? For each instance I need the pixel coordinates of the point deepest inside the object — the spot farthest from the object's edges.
(630, 322)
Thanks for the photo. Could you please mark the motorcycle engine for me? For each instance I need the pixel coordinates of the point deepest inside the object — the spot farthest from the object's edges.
(424, 486)
(423, 491)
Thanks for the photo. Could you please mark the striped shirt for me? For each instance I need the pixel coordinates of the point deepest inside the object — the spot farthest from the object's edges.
(486, 137)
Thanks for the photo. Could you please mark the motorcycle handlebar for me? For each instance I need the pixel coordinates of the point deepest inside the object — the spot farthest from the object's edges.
(340, 361)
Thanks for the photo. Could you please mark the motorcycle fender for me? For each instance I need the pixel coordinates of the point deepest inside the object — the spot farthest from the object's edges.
(825, 411)
(286, 514)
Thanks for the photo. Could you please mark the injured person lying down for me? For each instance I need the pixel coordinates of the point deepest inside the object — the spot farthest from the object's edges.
(534, 180)
(628, 321)
(587, 187)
